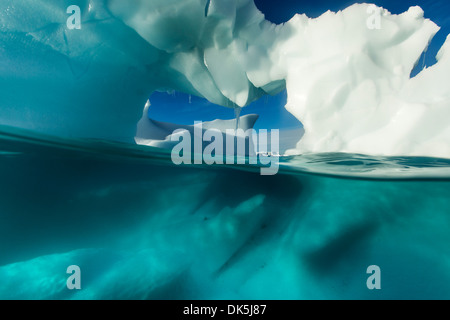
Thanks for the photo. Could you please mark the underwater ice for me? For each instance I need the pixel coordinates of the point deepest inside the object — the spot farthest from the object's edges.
(167, 232)
(348, 78)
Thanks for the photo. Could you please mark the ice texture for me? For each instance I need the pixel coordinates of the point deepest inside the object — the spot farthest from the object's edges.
(352, 90)
(166, 135)
(347, 74)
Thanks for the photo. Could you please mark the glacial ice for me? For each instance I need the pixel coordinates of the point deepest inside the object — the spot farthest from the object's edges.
(163, 134)
(348, 84)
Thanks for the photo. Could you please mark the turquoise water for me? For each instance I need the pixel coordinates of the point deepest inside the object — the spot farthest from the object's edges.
(140, 227)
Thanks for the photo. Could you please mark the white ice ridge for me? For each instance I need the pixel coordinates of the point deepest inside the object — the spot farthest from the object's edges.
(347, 78)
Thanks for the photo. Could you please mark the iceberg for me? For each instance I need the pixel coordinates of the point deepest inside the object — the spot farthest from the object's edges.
(358, 96)
(164, 135)
(87, 179)
(348, 81)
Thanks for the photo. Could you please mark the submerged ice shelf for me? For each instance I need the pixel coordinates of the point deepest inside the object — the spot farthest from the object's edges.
(348, 79)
